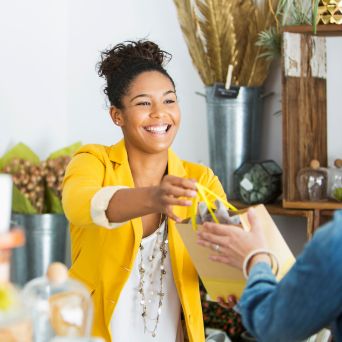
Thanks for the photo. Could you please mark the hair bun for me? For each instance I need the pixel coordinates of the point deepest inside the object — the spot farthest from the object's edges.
(125, 61)
(129, 52)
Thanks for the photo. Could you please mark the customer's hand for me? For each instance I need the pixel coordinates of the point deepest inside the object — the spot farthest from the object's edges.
(173, 191)
(231, 243)
(229, 303)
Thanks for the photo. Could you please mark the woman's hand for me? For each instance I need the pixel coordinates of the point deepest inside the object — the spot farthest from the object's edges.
(231, 243)
(173, 191)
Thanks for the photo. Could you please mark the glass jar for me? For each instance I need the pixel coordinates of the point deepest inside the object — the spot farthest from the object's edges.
(335, 181)
(15, 322)
(59, 305)
(312, 182)
(258, 182)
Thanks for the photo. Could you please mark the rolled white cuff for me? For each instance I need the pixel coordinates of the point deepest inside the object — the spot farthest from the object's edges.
(99, 205)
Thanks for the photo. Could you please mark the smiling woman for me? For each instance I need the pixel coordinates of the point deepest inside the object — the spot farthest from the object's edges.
(122, 202)
(149, 116)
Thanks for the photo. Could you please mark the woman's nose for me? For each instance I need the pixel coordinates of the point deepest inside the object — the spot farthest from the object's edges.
(157, 111)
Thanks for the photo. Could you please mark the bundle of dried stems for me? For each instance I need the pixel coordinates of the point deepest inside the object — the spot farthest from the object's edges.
(220, 33)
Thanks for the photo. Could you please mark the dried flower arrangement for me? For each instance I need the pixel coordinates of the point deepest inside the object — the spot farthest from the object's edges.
(220, 33)
(243, 33)
(37, 184)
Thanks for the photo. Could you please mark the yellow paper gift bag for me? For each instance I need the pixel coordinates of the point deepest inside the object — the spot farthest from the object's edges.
(220, 279)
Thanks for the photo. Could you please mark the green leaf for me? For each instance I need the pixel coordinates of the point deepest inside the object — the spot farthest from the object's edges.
(20, 204)
(21, 151)
(54, 204)
(66, 151)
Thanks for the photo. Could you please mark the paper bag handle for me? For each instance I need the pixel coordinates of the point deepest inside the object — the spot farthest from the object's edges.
(202, 191)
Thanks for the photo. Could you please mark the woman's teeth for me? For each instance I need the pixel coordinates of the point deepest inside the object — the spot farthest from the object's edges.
(157, 129)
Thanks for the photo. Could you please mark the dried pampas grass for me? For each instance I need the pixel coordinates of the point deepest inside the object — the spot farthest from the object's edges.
(220, 33)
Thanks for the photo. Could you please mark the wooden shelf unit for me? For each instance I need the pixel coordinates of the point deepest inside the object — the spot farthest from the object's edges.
(331, 30)
(323, 205)
(304, 108)
(277, 209)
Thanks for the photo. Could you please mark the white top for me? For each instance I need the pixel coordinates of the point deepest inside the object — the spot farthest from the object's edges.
(127, 323)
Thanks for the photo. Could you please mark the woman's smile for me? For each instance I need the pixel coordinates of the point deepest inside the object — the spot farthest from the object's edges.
(160, 129)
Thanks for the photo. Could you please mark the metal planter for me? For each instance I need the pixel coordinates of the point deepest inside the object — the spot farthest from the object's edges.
(234, 123)
(45, 243)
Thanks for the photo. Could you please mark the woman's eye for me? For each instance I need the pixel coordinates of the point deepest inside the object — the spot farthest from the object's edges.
(143, 103)
(170, 101)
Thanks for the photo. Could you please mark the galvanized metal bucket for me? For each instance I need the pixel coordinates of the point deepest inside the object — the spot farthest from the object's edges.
(45, 243)
(234, 123)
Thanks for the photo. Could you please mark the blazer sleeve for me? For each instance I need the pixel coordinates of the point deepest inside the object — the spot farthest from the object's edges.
(83, 179)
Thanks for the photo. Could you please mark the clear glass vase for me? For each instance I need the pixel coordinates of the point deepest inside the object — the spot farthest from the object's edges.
(335, 181)
(60, 306)
(312, 182)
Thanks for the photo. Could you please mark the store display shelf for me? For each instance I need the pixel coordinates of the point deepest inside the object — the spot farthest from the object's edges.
(331, 30)
(322, 205)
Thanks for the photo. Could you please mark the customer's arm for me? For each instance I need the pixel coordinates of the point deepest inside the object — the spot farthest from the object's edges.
(308, 298)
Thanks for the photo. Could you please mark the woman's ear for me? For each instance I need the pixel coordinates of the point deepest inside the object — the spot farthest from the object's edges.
(115, 114)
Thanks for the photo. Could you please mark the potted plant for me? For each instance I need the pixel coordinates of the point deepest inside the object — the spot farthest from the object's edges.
(37, 208)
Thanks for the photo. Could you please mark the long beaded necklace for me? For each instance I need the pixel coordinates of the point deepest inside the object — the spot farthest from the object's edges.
(161, 245)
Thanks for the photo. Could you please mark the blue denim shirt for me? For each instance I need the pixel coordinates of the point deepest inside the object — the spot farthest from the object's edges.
(306, 300)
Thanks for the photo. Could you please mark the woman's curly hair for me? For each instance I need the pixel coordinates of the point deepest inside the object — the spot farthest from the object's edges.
(121, 64)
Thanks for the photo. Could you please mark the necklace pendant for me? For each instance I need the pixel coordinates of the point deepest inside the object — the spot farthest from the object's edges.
(154, 334)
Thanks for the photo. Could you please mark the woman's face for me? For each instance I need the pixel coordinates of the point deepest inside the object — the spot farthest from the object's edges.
(150, 116)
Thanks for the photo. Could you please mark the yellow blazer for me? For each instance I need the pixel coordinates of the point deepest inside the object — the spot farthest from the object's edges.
(102, 258)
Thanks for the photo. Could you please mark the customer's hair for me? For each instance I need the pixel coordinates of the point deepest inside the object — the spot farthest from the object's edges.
(121, 64)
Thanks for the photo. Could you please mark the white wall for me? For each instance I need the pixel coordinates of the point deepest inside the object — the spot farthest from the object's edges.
(51, 95)
(334, 45)
(33, 69)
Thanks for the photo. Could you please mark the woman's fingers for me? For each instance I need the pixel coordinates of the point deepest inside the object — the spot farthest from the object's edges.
(254, 220)
(169, 200)
(220, 229)
(207, 237)
(172, 190)
(181, 182)
(220, 258)
(205, 243)
(172, 216)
